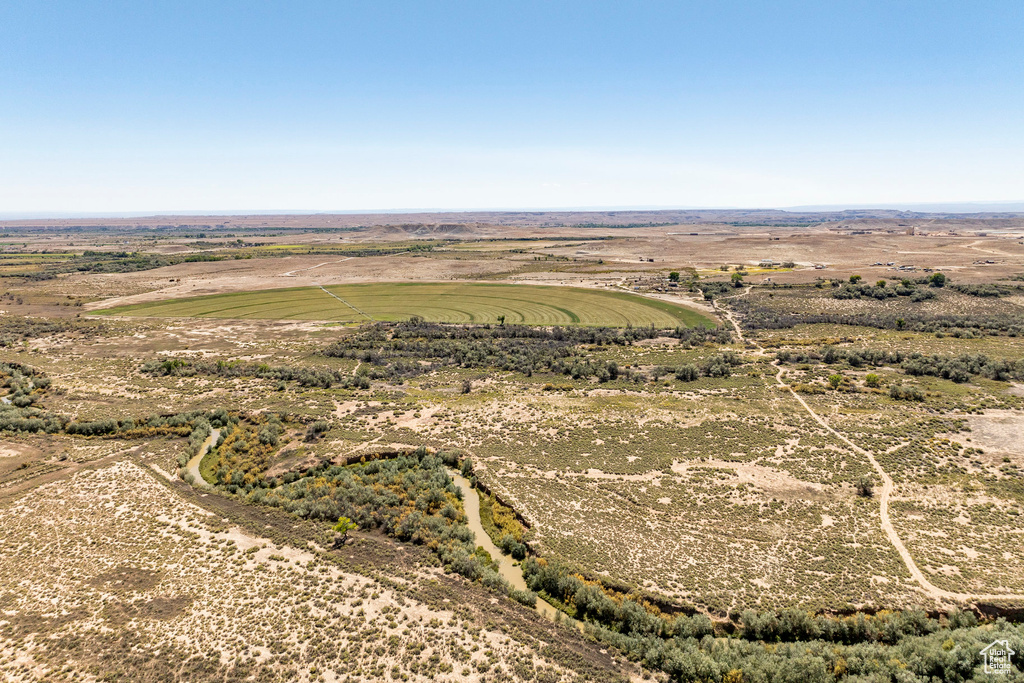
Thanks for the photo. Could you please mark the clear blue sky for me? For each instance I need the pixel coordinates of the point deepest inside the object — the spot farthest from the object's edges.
(258, 105)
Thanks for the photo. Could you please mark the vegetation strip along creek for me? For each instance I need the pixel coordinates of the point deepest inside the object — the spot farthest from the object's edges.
(508, 568)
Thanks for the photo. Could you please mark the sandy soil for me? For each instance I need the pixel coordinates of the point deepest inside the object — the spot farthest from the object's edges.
(999, 433)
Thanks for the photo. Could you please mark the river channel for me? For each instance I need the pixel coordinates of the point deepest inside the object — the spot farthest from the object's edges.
(507, 566)
(193, 464)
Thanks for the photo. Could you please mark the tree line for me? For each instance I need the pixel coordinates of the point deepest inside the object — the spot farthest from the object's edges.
(790, 645)
(761, 314)
(322, 377)
(399, 348)
(958, 368)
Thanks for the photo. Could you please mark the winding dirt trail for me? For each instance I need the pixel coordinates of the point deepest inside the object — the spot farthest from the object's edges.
(728, 315)
(927, 586)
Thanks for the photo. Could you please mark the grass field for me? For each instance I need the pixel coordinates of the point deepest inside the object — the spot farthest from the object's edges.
(508, 245)
(451, 303)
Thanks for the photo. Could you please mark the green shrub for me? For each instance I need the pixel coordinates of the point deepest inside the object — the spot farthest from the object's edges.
(905, 393)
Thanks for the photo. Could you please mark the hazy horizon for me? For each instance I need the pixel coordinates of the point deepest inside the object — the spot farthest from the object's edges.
(943, 207)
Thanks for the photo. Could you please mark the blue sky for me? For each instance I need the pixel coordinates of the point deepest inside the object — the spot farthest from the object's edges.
(256, 105)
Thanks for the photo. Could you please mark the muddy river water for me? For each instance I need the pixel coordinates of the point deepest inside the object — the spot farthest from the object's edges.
(193, 464)
(507, 566)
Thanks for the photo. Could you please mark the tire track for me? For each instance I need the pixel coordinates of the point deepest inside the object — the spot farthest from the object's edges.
(929, 588)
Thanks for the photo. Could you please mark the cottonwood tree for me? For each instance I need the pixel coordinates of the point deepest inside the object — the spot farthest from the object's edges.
(341, 530)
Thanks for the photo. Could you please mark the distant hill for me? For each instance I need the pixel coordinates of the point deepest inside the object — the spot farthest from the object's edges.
(447, 221)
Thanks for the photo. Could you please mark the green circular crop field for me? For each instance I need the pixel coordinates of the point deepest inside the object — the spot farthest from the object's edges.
(463, 302)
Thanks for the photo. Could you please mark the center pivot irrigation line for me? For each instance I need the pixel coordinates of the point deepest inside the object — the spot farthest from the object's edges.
(291, 273)
(360, 312)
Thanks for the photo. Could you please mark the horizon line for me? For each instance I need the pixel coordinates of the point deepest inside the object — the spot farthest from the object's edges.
(965, 207)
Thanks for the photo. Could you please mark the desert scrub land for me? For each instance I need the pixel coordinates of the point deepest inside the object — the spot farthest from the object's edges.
(686, 502)
(632, 453)
(150, 585)
(946, 311)
(705, 498)
(955, 505)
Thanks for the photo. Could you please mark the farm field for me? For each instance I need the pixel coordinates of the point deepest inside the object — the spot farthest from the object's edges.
(449, 303)
(370, 441)
(688, 473)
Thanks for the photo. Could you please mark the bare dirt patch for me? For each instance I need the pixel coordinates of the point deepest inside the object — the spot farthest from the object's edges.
(999, 433)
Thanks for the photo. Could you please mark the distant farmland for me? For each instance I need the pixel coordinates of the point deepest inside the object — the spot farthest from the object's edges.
(450, 303)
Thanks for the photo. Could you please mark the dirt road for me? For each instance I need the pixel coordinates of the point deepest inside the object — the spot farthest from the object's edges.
(927, 586)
